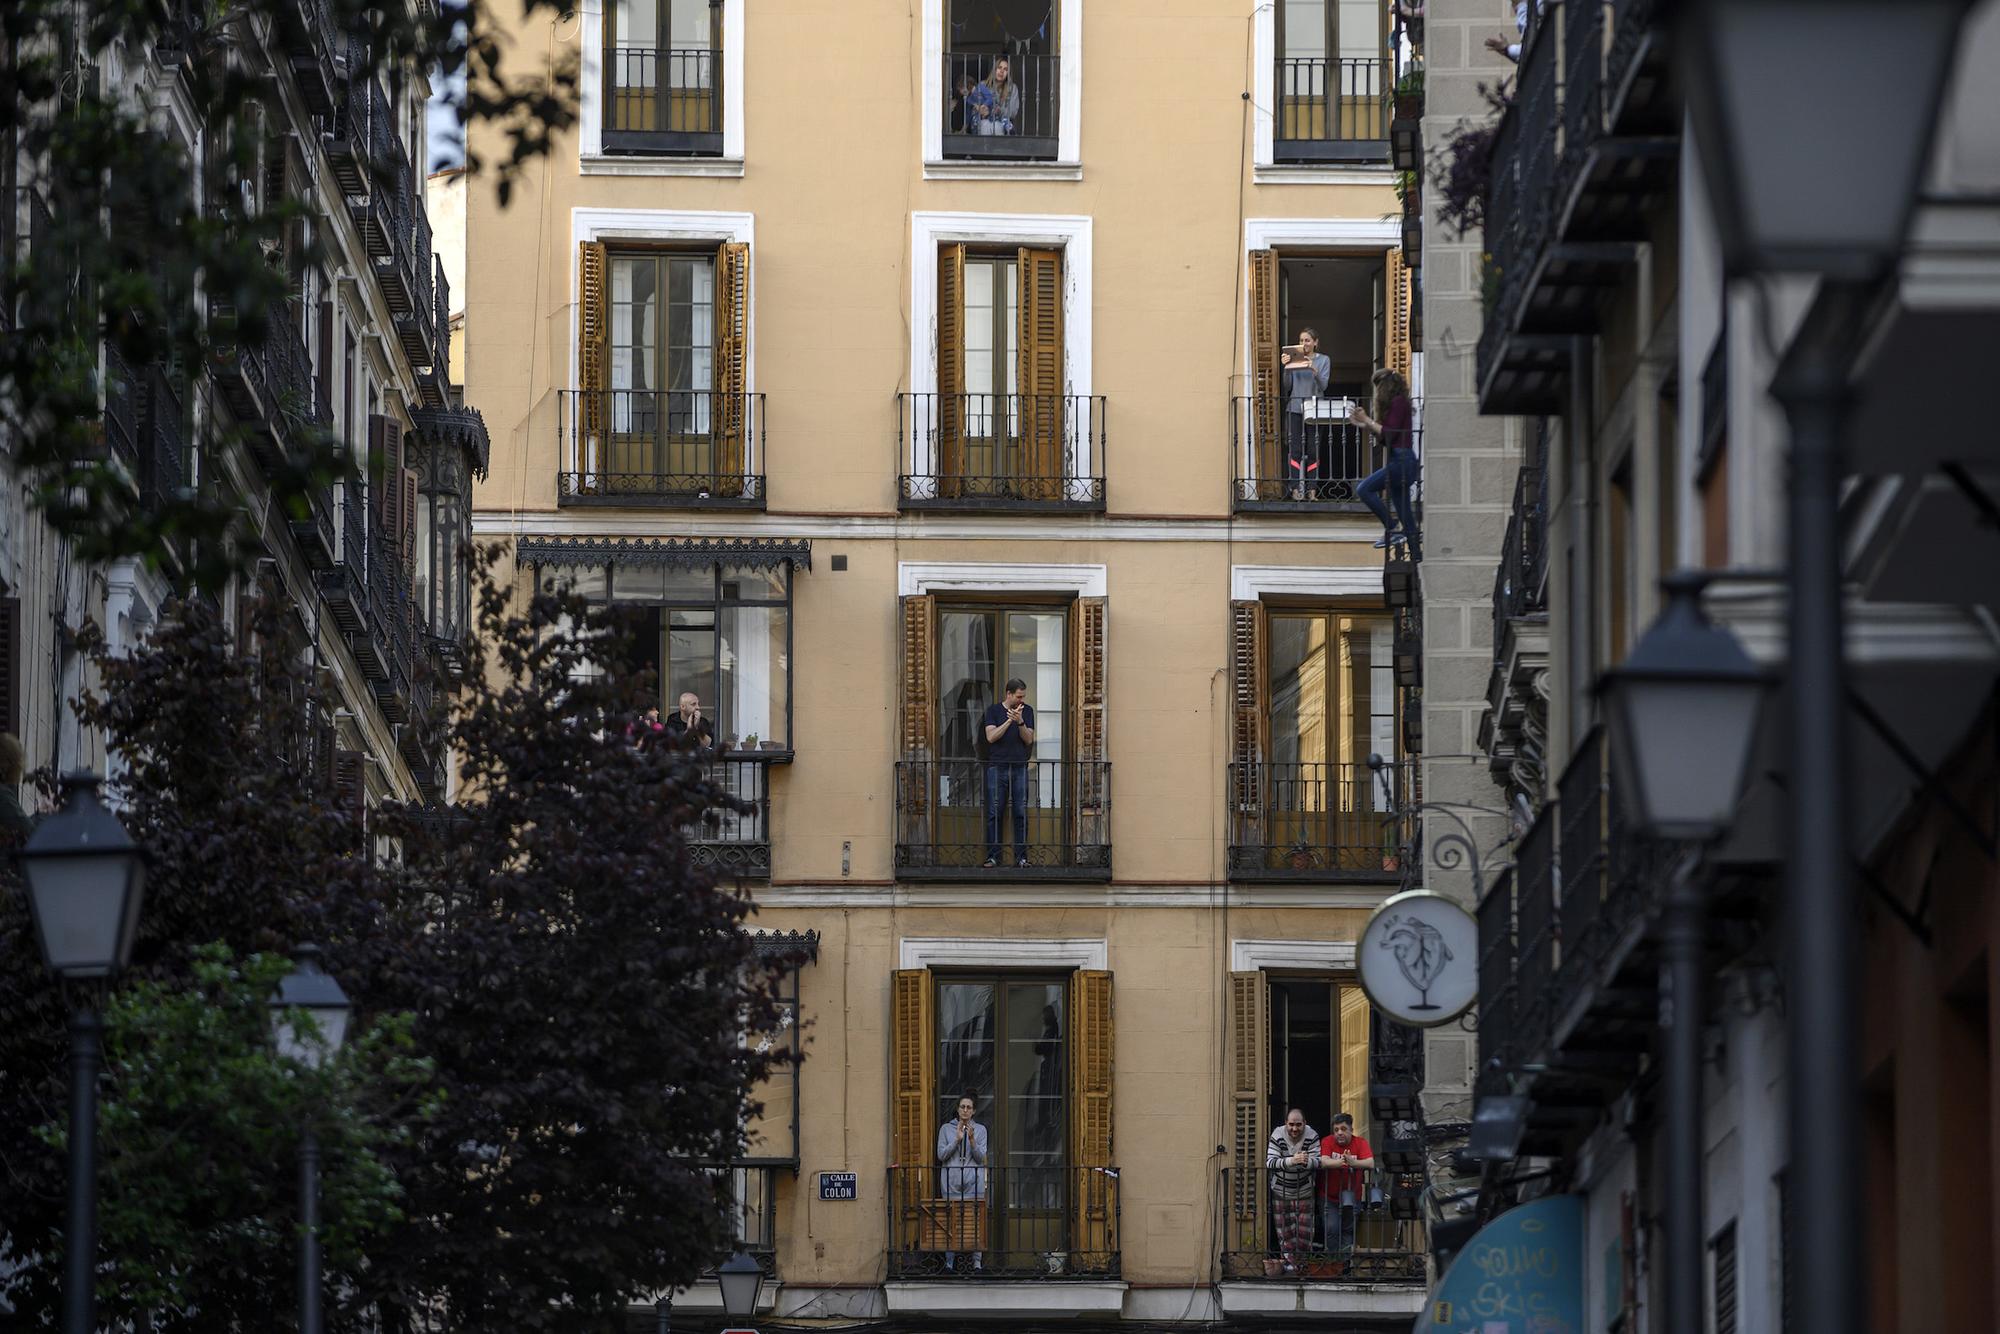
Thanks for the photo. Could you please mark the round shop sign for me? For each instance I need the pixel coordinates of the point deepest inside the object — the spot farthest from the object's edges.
(1419, 959)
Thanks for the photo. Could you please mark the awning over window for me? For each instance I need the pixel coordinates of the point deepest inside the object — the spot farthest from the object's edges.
(774, 944)
(677, 552)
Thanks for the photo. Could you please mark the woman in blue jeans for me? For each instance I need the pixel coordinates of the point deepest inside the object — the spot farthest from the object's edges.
(1393, 423)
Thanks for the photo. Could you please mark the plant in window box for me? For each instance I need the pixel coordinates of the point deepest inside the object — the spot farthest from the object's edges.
(1410, 94)
(1301, 858)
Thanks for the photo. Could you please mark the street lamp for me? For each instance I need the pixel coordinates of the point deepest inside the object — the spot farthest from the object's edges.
(1786, 95)
(86, 880)
(740, 1278)
(309, 1014)
(1682, 712)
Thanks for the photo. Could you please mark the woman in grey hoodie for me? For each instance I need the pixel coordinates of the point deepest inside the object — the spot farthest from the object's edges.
(961, 1155)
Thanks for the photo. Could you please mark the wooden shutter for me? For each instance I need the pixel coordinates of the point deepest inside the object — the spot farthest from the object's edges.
(385, 454)
(10, 667)
(949, 460)
(407, 513)
(1723, 1246)
(917, 772)
(1249, 1039)
(1266, 401)
(1087, 747)
(1090, 1143)
(911, 1050)
(732, 351)
(593, 337)
(1040, 373)
(1249, 690)
(1396, 314)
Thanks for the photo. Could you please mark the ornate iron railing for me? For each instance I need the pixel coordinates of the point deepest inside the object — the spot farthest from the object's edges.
(660, 447)
(1317, 821)
(1299, 460)
(977, 123)
(736, 842)
(1034, 452)
(1003, 1221)
(944, 829)
(663, 99)
(1353, 1237)
(1496, 977)
(1535, 928)
(1332, 108)
(1520, 579)
(1580, 799)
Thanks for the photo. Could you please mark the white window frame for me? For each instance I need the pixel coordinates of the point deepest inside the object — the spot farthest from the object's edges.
(591, 157)
(1265, 169)
(1247, 583)
(1068, 164)
(929, 231)
(991, 952)
(969, 576)
(1330, 956)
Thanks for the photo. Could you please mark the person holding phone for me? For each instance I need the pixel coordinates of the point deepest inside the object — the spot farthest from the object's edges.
(1306, 371)
(1009, 729)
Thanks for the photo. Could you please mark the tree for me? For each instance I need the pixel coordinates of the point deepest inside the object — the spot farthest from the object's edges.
(578, 987)
(131, 229)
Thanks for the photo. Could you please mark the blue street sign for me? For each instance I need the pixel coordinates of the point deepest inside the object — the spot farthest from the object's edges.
(836, 1185)
(1520, 1274)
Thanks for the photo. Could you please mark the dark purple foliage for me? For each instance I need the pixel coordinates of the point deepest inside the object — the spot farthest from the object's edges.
(1462, 169)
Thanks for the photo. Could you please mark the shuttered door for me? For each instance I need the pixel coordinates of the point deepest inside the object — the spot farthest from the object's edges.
(916, 775)
(1041, 375)
(948, 462)
(732, 350)
(324, 386)
(385, 472)
(1249, 677)
(1248, 1056)
(1088, 748)
(1396, 314)
(1265, 385)
(911, 1051)
(1092, 1242)
(593, 336)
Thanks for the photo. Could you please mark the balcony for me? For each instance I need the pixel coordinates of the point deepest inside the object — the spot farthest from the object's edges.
(977, 126)
(1297, 463)
(1607, 183)
(653, 448)
(1515, 727)
(351, 130)
(962, 1225)
(1017, 453)
(1534, 936)
(124, 395)
(1383, 1248)
(1316, 822)
(310, 45)
(941, 824)
(267, 381)
(663, 101)
(343, 585)
(736, 843)
(1496, 982)
(1332, 110)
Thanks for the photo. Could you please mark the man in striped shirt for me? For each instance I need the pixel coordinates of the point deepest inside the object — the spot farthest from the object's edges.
(1290, 1158)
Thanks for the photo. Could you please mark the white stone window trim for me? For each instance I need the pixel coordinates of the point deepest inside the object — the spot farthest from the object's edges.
(928, 231)
(1068, 164)
(1249, 956)
(1247, 583)
(1265, 168)
(591, 155)
(991, 952)
(1088, 581)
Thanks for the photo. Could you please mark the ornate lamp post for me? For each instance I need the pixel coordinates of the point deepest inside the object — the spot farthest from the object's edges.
(309, 1015)
(741, 1279)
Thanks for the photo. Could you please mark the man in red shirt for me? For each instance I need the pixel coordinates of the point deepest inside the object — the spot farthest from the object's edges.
(1347, 1166)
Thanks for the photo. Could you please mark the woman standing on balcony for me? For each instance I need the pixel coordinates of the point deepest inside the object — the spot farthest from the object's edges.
(1306, 371)
(961, 1155)
(1393, 423)
(996, 102)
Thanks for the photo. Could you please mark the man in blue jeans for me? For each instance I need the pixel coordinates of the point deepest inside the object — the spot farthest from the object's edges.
(1009, 728)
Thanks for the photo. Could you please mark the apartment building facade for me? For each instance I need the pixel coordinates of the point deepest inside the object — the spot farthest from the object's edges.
(375, 569)
(882, 357)
(1639, 375)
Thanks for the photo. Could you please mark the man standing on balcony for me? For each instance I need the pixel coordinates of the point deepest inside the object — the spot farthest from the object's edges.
(690, 721)
(1009, 729)
(1345, 1161)
(1290, 1158)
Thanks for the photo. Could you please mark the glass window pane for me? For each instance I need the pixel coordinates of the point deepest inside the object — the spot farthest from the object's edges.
(1035, 647)
(690, 658)
(1036, 1081)
(755, 674)
(638, 583)
(749, 583)
(688, 24)
(1360, 28)
(591, 582)
(966, 667)
(965, 1056)
(1366, 698)
(638, 22)
(1298, 690)
(1305, 30)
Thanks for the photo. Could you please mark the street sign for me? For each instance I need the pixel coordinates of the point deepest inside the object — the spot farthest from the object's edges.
(834, 1186)
(1419, 959)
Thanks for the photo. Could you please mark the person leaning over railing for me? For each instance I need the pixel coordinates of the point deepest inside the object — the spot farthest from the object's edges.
(1345, 1162)
(1290, 1157)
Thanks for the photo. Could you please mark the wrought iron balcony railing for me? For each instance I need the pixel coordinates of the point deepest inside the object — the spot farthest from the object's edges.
(1580, 914)
(658, 447)
(1355, 1236)
(1303, 462)
(163, 458)
(344, 583)
(1039, 453)
(1535, 930)
(1496, 980)
(1039, 1222)
(1520, 582)
(1316, 822)
(1332, 110)
(736, 842)
(663, 100)
(970, 819)
(124, 395)
(1019, 123)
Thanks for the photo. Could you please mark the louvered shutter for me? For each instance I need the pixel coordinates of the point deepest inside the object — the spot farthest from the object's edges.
(407, 513)
(10, 668)
(1396, 314)
(1087, 747)
(1266, 388)
(1724, 1248)
(350, 789)
(1040, 374)
(732, 328)
(326, 362)
(1248, 1046)
(1249, 677)
(1090, 1078)
(911, 1051)
(385, 448)
(593, 336)
(949, 461)
(917, 772)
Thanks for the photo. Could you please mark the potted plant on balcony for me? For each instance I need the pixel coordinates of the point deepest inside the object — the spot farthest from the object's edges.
(1410, 94)
(750, 742)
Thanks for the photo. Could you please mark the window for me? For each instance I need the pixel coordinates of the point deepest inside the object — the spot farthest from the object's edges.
(1002, 79)
(663, 77)
(958, 657)
(1315, 698)
(1033, 1051)
(661, 412)
(1333, 77)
